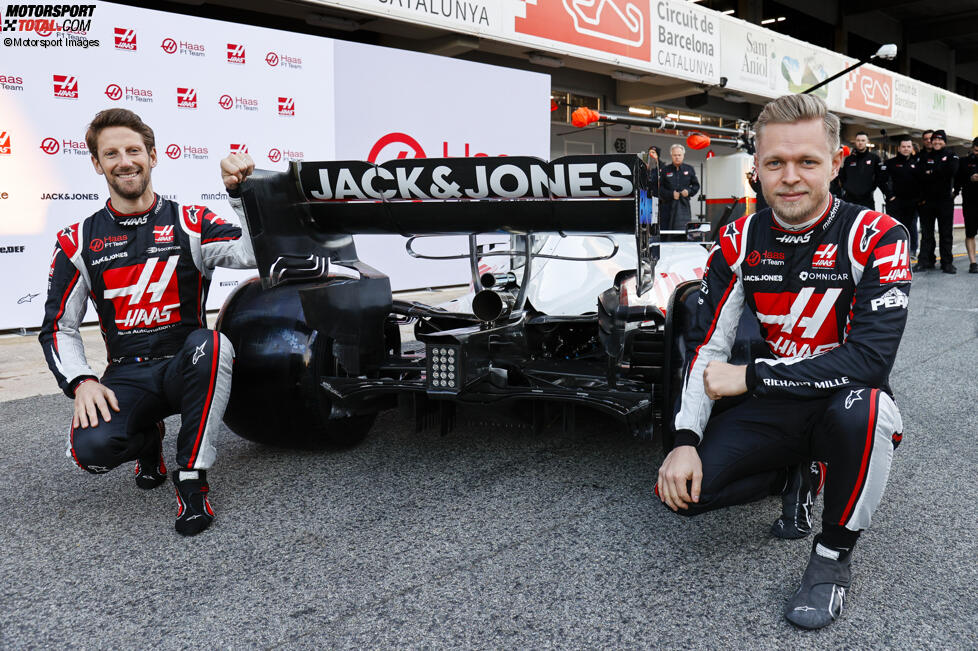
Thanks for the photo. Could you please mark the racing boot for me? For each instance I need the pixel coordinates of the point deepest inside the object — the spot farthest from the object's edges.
(194, 512)
(805, 482)
(818, 601)
(973, 268)
(150, 469)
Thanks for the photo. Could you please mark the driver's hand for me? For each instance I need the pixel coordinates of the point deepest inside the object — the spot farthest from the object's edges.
(675, 195)
(91, 399)
(235, 168)
(682, 465)
(721, 379)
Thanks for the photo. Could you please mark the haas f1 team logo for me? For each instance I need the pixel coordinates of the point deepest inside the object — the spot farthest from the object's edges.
(893, 261)
(187, 98)
(5, 143)
(144, 295)
(824, 257)
(125, 39)
(286, 106)
(799, 325)
(66, 86)
(236, 53)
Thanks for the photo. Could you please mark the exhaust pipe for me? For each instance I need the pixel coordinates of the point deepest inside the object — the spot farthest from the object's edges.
(490, 279)
(489, 306)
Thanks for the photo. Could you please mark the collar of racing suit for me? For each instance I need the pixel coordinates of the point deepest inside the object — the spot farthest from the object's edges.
(116, 215)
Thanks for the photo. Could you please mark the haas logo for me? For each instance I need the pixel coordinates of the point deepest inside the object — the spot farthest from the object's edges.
(236, 53)
(66, 86)
(5, 143)
(226, 102)
(239, 149)
(893, 261)
(395, 146)
(125, 39)
(50, 146)
(799, 325)
(144, 295)
(187, 98)
(113, 92)
(168, 45)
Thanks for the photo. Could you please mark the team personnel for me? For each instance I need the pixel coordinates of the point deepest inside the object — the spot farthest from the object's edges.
(925, 142)
(677, 184)
(863, 171)
(967, 184)
(146, 264)
(652, 163)
(936, 172)
(833, 312)
(904, 189)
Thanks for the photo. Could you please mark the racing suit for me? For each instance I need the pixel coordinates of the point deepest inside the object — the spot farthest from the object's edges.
(675, 213)
(147, 275)
(905, 191)
(860, 174)
(967, 168)
(831, 301)
(936, 171)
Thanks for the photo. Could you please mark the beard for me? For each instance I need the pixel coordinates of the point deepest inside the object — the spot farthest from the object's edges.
(130, 191)
(798, 211)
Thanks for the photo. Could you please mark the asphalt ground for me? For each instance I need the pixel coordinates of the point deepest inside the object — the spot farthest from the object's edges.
(489, 537)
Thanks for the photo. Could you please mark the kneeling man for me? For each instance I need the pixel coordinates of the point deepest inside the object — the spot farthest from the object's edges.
(145, 262)
(828, 282)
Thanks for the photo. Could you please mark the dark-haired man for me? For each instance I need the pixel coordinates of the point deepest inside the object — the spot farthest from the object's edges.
(904, 189)
(967, 184)
(936, 172)
(861, 173)
(146, 264)
(832, 312)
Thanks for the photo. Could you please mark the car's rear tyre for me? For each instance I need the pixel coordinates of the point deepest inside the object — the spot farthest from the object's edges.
(276, 398)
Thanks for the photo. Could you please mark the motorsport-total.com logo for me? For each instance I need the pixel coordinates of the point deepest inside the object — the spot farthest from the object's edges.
(45, 20)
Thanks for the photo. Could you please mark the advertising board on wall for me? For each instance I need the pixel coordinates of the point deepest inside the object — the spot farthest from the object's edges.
(210, 88)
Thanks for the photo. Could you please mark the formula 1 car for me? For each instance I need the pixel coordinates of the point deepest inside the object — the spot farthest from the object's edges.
(319, 338)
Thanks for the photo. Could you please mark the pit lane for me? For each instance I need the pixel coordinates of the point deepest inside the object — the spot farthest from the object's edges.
(491, 536)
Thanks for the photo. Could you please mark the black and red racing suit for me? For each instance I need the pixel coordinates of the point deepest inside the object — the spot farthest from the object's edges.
(147, 275)
(831, 301)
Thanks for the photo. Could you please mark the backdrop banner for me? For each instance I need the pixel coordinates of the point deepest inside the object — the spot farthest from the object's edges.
(208, 88)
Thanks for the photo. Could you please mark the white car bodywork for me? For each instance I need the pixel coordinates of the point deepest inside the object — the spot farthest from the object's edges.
(571, 287)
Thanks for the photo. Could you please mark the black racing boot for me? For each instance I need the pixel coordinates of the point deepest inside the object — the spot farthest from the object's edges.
(805, 482)
(818, 601)
(150, 469)
(194, 512)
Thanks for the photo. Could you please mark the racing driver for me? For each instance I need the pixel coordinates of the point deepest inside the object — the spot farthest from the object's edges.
(828, 282)
(146, 264)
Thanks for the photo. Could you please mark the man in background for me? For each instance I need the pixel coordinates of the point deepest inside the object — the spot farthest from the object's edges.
(904, 190)
(677, 184)
(967, 185)
(862, 172)
(936, 172)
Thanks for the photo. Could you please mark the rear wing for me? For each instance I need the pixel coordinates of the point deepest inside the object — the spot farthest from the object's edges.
(304, 217)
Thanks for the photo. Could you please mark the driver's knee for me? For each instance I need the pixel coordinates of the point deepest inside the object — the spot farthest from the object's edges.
(98, 449)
